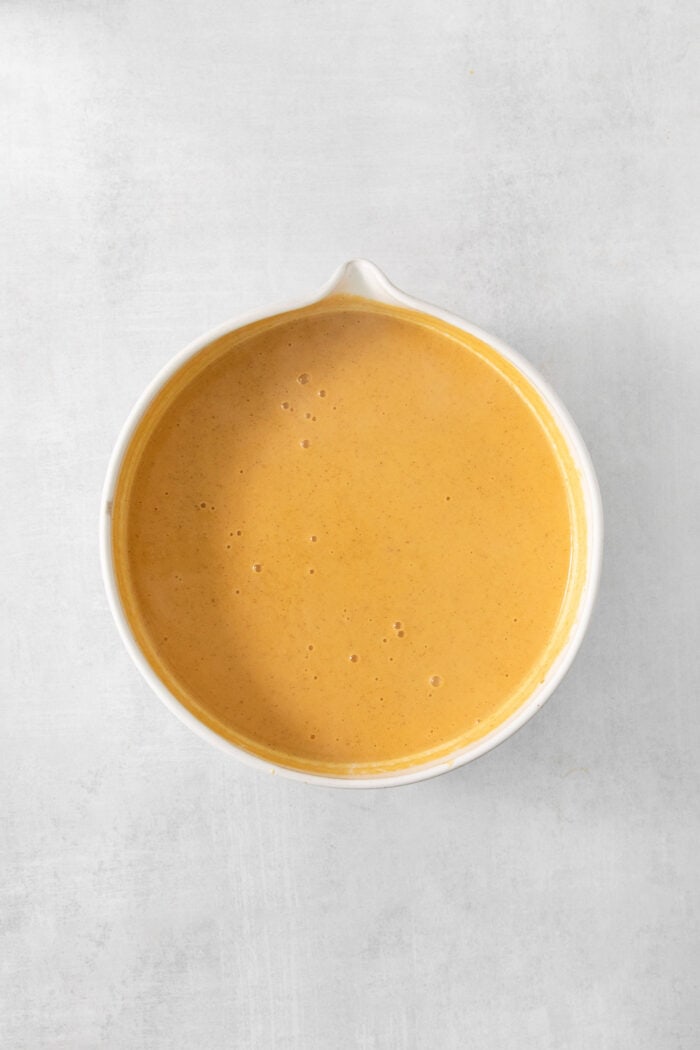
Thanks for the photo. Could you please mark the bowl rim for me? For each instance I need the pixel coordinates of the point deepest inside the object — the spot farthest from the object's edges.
(361, 277)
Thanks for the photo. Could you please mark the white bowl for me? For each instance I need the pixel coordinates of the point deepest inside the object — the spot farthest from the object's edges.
(360, 277)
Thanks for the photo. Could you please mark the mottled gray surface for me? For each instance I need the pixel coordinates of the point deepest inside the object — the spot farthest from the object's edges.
(527, 166)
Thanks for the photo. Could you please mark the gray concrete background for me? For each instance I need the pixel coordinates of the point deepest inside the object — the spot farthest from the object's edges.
(166, 165)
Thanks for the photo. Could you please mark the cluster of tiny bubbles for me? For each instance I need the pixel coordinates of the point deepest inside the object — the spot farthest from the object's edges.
(303, 378)
(398, 627)
(435, 680)
(305, 443)
(256, 567)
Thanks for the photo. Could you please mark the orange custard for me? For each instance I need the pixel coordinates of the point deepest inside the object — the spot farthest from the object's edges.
(349, 538)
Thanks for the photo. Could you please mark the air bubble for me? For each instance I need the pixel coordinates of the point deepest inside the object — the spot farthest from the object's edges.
(310, 648)
(285, 405)
(313, 539)
(435, 680)
(307, 415)
(322, 393)
(398, 625)
(202, 504)
(305, 443)
(311, 572)
(354, 658)
(257, 567)
(400, 634)
(303, 378)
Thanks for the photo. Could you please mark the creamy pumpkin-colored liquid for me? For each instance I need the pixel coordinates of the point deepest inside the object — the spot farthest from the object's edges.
(349, 538)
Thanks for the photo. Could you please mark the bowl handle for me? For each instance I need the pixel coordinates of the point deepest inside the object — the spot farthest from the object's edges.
(361, 277)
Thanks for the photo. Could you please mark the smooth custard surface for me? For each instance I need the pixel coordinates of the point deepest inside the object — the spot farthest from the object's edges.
(349, 538)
